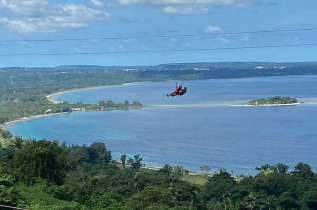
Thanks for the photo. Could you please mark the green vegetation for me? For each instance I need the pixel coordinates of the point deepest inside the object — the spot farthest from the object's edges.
(23, 91)
(196, 179)
(48, 175)
(273, 100)
(101, 105)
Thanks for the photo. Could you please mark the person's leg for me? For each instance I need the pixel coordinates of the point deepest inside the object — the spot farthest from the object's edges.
(173, 94)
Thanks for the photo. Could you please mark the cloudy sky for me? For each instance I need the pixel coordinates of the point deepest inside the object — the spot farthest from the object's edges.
(155, 31)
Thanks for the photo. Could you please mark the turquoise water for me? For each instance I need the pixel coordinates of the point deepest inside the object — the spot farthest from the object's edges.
(219, 135)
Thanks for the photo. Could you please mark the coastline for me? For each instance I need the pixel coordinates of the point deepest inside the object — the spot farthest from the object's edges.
(3, 126)
(155, 168)
(49, 96)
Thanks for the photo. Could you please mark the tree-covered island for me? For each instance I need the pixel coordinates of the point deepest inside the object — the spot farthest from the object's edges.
(101, 105)
(276, 100)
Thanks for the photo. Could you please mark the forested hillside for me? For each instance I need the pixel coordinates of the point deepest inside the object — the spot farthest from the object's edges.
(48, 175)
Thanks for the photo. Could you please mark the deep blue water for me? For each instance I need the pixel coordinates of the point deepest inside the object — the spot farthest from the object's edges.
(237, 138)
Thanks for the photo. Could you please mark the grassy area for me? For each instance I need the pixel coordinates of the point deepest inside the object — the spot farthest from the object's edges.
(195, 179)
(37, 195)
(198, 179)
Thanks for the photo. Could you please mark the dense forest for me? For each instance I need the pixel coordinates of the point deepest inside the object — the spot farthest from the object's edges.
(48, 175)
(273, 100)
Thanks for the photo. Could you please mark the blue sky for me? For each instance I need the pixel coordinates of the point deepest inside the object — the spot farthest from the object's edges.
(23, 20)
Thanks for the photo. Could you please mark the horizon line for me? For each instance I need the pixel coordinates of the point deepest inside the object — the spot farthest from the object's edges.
(151, 65)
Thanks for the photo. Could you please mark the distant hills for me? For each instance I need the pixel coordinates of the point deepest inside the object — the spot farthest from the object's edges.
(201, 66)
(202, 70)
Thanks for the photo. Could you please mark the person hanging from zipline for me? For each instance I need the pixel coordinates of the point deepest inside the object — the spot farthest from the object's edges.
(183, 91)
(178, 91)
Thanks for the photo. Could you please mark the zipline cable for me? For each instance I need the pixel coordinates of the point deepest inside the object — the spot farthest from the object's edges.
(157, 51)
(156, 36)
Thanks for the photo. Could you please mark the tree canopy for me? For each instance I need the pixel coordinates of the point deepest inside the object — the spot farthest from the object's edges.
(86, 177)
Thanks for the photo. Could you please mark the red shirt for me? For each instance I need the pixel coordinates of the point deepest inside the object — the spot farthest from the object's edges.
(178, 89)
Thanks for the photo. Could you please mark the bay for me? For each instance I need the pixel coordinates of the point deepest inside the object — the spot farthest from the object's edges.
(213, 92)
(220, 134)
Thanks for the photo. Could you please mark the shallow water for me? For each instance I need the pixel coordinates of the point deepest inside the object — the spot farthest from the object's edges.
(233, 137)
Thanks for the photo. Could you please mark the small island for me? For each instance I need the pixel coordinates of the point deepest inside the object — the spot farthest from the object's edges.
(101, 105)
(274, 101)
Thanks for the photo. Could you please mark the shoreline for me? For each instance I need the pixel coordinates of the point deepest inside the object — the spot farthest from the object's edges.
(49, 96)
(4, 125)
(156, 168)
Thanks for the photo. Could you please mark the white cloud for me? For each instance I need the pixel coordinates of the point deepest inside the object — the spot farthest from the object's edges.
(39, 16)
(43, 25)
(212, 29)
(24, 7)
(96, 3)
(188, 6)
(17, 25)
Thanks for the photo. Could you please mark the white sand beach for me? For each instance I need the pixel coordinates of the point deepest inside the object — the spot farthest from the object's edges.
(29, 118)
(50, 96)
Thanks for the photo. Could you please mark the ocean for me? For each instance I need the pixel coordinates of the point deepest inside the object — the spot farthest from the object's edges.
(220, 132)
